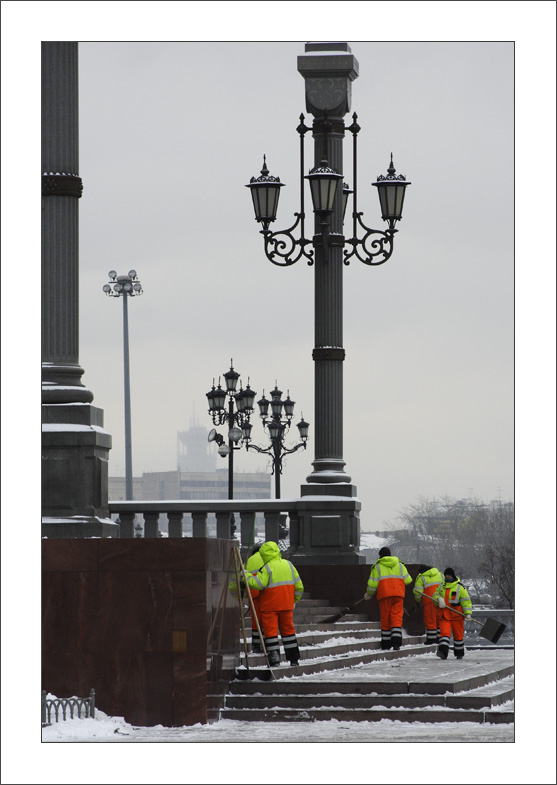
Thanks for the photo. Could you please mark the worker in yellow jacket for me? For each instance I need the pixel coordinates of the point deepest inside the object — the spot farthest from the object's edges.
(251, 567)
(425, 586)
(389, 578)
(280, 588)
(452, 596)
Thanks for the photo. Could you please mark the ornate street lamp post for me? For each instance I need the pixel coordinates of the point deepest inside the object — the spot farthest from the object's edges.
(328, 70)
(125, 286)
(236, 413)
(278, 425)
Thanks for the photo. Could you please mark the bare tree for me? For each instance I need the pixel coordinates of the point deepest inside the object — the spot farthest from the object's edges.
(474, 538)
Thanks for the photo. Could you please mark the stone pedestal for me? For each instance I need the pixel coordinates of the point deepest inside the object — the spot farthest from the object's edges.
(75, 450)
(328, 527)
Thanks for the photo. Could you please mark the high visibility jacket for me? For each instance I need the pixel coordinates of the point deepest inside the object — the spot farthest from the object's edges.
(456, 597)
(277, 580)
(427, 583)
(251, 566)
(388, 577)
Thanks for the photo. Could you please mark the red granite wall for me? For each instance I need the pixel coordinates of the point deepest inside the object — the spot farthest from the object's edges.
(147, 623)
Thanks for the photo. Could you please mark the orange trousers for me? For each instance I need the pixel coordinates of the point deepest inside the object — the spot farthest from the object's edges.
(456, 624)
(273, 621)
(391, 610)
(257, 611)
(431, 614)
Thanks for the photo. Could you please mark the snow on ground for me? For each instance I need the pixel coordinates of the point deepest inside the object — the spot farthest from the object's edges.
(115, 729)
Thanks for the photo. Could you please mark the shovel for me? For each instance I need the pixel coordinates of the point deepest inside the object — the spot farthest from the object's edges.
(491, 629)
(250, 673)
(337, 616)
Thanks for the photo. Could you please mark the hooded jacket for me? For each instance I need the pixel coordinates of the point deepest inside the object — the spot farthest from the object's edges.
(277, 580)
(388, 577)
(251, 566)
(456, 596)
(427, 583)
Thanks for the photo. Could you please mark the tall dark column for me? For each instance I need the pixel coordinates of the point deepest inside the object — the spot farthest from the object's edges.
(74, 444)
(328, 535)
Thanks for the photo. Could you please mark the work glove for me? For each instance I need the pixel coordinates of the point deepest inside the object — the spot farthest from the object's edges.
(441, 602)
(468, 617)
(367, 596)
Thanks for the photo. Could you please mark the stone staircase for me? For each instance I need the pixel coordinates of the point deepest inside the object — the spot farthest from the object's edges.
(344, 675)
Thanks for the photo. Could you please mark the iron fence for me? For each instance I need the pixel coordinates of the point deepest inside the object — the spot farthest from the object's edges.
(62, 706)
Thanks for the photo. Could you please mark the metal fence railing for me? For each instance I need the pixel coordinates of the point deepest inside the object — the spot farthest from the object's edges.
(74, 706)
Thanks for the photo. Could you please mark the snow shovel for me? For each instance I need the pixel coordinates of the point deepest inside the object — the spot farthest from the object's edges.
(337, 616)
(259, 673)
(491, 629)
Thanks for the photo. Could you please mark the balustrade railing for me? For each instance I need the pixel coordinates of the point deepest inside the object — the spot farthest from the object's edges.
(243, 510)
(299, 512)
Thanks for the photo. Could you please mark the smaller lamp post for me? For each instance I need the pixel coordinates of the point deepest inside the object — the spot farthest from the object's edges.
(222, 412)
(277, 424)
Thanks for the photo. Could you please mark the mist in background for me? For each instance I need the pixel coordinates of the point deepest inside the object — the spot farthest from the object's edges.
(169, 135)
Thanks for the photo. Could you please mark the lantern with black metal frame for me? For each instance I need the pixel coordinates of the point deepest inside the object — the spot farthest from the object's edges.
(375, 247)
(236, 413)
(277, 425)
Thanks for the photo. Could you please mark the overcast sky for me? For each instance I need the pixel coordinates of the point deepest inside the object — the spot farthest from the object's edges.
(169, 135)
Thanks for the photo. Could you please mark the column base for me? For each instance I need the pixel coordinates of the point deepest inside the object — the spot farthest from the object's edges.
(75, 450)
(328, 471)
(327, 530)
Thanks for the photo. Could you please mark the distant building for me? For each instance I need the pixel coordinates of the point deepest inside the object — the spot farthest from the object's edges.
(195, 453)
(117, 488)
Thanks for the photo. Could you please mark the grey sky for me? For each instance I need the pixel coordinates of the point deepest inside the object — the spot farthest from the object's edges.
(169, 135)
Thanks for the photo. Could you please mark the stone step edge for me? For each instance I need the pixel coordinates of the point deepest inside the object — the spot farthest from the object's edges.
(306, 686)
(367, 715)
(324, 664)
(324, 653)
(465, 701)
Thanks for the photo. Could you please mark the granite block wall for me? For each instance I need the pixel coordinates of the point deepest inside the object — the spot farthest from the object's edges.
(148, 623)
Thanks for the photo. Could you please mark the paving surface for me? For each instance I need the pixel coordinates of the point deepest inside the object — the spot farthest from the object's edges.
(420, 668)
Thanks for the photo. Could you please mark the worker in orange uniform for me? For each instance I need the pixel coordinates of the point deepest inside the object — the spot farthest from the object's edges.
(452, 596)
(281, 588)
(389, 578)
(425, 586)
(252, 566)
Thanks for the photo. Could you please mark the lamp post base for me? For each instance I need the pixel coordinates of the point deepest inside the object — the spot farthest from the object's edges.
(327, 530)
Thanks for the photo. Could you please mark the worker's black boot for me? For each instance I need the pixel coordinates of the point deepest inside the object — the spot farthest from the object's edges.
(386, 639)
(459, 649)
(431, 636)
(396, 638)
(273, 651)
(256, 642)
(443, 650)
(291, 649)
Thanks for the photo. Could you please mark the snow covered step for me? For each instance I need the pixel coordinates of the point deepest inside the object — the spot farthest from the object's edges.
(365, 715)
(339, 626)
(317, 661)
(363, 698)
(335, 647)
